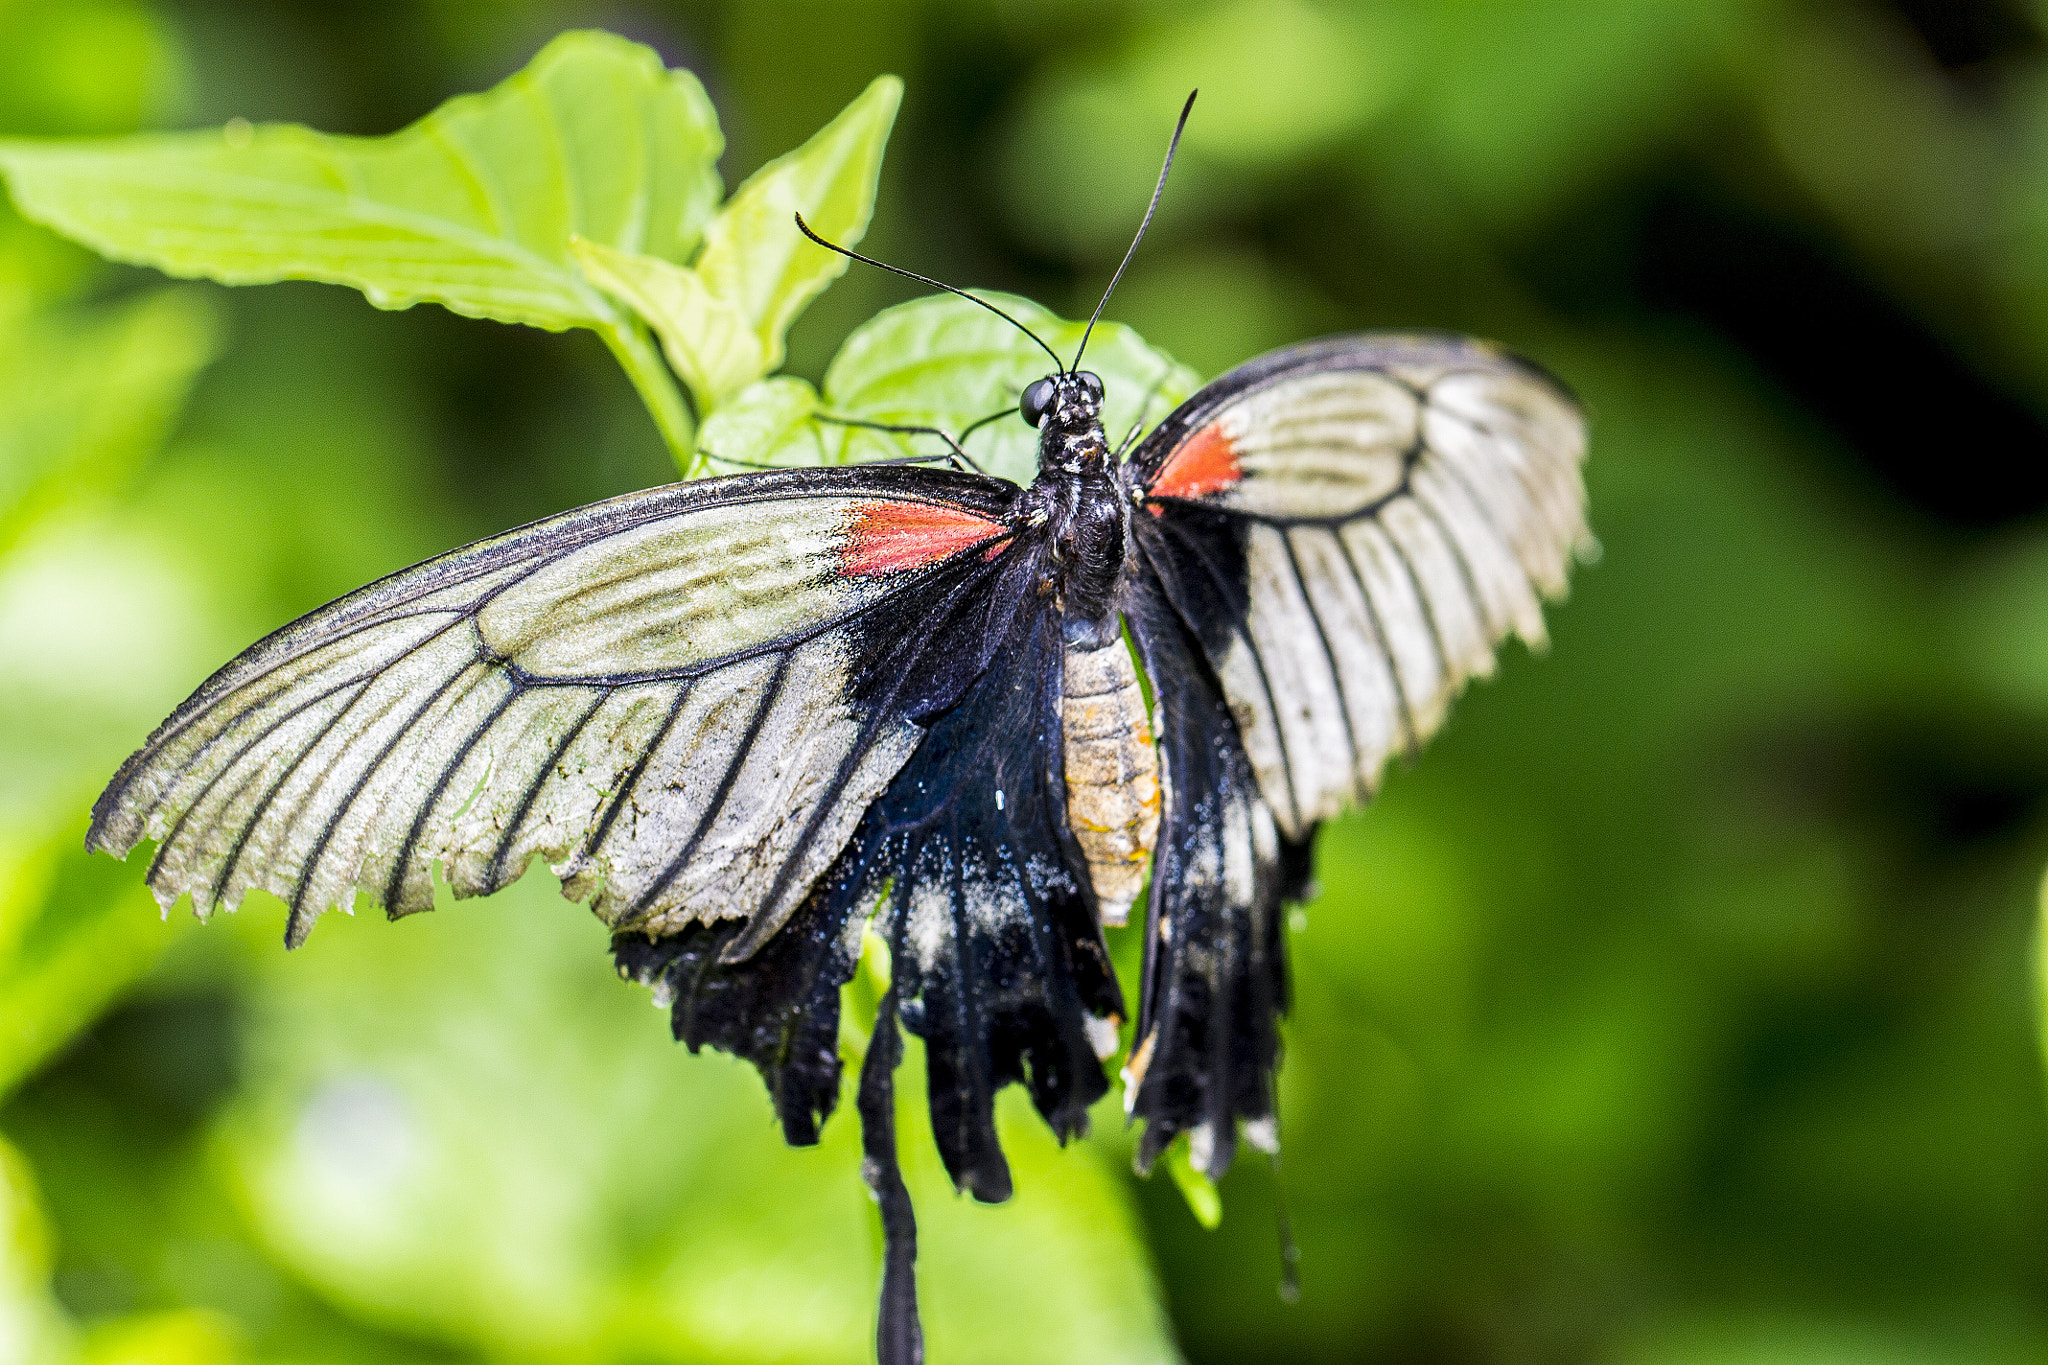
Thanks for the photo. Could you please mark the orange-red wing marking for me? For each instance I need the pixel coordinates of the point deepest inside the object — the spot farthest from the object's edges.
(887, 536)
(1204, 464)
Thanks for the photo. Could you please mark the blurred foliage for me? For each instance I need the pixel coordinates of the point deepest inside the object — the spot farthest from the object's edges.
(1676, 1007)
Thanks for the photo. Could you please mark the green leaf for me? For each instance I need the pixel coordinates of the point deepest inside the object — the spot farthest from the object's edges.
(84, 397)
(710, 341)
(943, 361)
(767, 423)
(1195, 1186)
(722, 323)
(472, 207)
(755, 258)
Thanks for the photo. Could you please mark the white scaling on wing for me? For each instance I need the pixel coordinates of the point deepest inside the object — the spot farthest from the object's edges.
(1506, 597)
(1400, 523)
(263, 822)
(1308, 754)
(212, 756)
(1324, 445)
(928, 923)
(565, 691)
(1372, 697)
(1446, 587)
(678, 591)
(1112, 772)
(354, 800)
(1405, 622)
(1105, 1035)
(582, 782)
(724, 811)
(1521, 444)
(498, 802)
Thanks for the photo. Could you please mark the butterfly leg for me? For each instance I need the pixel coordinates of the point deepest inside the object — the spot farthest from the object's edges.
(959, 457)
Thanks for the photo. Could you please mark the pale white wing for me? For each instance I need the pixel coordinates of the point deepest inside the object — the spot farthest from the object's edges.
(1352, 526)
(669, 697)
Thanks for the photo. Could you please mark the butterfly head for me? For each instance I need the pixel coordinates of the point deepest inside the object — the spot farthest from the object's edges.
(1067, 410)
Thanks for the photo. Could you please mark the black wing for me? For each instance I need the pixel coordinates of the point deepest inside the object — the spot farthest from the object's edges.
(683, 699)
(1331, 541)
(997, 958)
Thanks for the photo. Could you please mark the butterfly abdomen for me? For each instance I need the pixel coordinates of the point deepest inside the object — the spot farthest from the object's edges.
(1112, 771)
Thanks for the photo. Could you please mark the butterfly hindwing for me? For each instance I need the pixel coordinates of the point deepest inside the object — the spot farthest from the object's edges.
(1215, 974)
(1350, 526)
(997, 956)
(1330, 542)
(683, 699)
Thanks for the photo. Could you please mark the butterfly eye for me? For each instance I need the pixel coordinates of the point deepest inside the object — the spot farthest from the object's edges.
(1037, 399)
(1092, 383)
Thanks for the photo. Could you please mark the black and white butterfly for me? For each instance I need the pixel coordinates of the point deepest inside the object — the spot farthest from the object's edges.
(755, 718)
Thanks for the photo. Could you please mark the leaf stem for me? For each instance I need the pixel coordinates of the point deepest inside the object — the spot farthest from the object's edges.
(656, 385)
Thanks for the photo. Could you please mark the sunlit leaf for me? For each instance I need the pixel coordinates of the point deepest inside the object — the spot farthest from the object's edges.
(767, 423)
(943, 361)
(722, 322)
(709, 340)
(755, 258)
(1195, 1186)
(472, 207)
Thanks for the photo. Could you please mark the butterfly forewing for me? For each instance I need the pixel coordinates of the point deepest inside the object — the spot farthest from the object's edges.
(1351, 526)
(684, 699)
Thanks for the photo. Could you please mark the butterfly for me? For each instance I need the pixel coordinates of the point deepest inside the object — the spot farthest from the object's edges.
(756, 719)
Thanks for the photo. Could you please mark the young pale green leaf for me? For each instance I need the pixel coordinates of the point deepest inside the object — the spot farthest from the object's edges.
(942, 361)
(472, 207)
(1204, 1200)
(710, 342)
(768, 423)
(755, 258)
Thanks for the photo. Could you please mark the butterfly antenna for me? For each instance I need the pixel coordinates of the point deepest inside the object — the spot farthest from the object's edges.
(1150, 209)
(805, 228)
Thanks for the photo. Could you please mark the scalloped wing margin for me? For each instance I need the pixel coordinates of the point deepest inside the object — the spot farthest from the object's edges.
(1350, 527)
(1215, 974)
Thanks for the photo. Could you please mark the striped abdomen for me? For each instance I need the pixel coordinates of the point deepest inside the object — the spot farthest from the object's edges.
(1112, 772)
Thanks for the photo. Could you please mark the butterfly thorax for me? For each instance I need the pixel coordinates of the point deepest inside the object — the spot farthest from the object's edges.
(1078, 499)
(1111, 767)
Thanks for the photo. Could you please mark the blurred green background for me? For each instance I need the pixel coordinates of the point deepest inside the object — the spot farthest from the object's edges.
(1676, 1007)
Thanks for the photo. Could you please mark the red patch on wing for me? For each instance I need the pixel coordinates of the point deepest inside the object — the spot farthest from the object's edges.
(887, 536)
(1204, 464)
